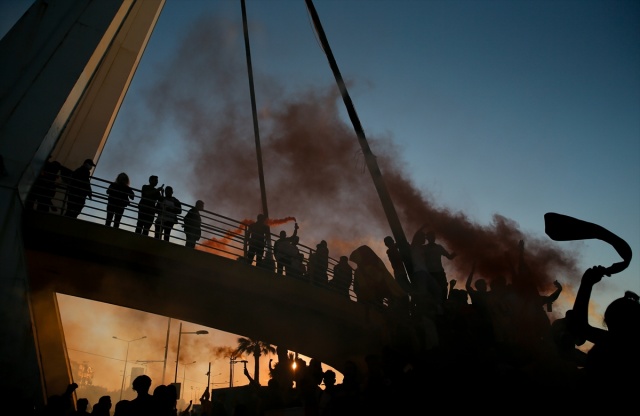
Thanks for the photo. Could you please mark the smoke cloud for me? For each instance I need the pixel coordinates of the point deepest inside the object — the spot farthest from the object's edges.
(314, 169)
(195, 130)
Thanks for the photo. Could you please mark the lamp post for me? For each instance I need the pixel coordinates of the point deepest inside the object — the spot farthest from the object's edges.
(184, 378)
(124, 373)
(200, 332)
(233, 361)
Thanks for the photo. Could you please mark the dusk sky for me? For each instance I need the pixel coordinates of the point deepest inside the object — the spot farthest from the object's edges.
(484, 115)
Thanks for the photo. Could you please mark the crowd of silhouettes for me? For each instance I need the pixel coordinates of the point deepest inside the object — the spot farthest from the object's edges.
(157, 206)
(491, 341)
(492, 350)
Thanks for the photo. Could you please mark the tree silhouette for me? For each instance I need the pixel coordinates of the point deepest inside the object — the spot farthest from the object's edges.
(255, 348)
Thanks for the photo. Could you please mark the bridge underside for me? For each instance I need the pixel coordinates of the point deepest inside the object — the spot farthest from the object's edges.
(105, 264)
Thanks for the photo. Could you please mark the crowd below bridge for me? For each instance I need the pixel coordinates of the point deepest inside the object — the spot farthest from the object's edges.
(482, 345)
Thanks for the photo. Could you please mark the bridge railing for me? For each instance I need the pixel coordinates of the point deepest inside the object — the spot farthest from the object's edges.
(221, 235)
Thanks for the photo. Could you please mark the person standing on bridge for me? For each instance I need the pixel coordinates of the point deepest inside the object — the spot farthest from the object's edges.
(79, 189)
(119, 193)
(193, 224)
(283, 250)
(342, 277)
(169, 207)
(256, 239)
(149, 196)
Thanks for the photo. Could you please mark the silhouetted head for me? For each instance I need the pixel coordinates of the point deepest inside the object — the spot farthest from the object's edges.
(329, 378)
(53, 167)
(481, 285)
(261, 217)
(344, 259)
(431, 236)
(199, 205)
(153, 180)
(82, 404)
(388, 241)
(623, 314)
(123, 179)
(89, 163)
(105, 401)
(142, 383)
(168, 191)
(283, 234)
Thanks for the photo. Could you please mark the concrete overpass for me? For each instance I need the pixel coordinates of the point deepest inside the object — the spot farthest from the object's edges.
(88, 260)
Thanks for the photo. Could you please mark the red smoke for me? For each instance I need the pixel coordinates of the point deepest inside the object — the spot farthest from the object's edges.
(313, 164)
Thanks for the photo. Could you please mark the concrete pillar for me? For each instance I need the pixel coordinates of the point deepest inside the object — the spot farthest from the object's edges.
(66, 67)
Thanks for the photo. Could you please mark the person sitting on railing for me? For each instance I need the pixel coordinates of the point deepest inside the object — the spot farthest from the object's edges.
(169, 207)
(79, 189)
(119, 193)
(193, 224)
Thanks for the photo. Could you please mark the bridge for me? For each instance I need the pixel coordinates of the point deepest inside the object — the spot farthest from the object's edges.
(82, 257)
(71, 63)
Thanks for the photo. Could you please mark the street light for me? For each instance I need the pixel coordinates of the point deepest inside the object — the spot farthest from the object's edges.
(125, 360)
(184, 378)
(200, 332)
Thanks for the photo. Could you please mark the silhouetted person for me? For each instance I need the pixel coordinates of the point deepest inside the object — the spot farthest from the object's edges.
(168, 208)
(79, 189)
(427, 294)
(149, 196)
(60, 404)
(193, 224)
(103, 407)
(283, 371)
(397, 264)
(612, 364)
(205, 402)
(257, 235)
(342, 277)
(164, 400)
(82, 404)
(297, 267)
(434, 253)
(480, 302)
(271, 398)
(348, 394)
(283, 250)
(44, 188)
(567, 341)
(119, 194)
(319, 263)
(325, 402)
(144, 403)
(123, 408)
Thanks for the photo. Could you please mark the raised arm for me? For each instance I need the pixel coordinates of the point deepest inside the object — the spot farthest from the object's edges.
(468, 285)
(580, 321)
(554, 296)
